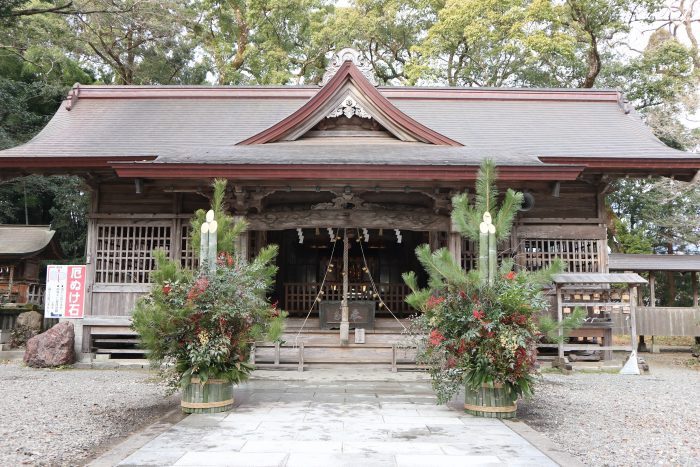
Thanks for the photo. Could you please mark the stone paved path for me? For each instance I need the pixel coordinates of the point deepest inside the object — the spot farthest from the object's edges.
(344, 423)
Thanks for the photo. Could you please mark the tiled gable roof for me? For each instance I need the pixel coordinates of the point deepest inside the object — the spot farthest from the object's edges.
(205, 125)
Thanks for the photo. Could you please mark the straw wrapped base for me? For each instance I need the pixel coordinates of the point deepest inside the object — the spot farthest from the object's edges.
(214, 396)
(490, 401)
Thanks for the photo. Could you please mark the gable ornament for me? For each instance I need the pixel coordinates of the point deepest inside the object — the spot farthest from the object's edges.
(349, 108)
(349, 54)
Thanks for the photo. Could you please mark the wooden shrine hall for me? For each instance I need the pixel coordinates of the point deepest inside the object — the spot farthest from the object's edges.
(306, 164)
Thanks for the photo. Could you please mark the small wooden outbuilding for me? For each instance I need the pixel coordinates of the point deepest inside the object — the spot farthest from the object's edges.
(22, 249)
(666, 319)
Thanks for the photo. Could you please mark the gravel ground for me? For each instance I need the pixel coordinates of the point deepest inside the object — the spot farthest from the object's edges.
(66, 416)
(616, 420)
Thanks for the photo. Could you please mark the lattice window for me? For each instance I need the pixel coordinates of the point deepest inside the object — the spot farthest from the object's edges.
(470, 254)
(188, 258)
(254, 240)
(578, 255)
(125, 252)
(35, 294)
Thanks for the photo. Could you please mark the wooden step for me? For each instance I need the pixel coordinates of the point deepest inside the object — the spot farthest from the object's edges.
(116, 341)
(333, 339)
(282, 356)
(121, 351)
(112, 330)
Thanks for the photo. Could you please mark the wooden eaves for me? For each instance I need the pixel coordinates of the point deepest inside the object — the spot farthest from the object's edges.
(340, 171)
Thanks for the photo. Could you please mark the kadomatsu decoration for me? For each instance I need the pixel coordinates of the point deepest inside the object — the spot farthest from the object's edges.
(478, 329)
(202, 323)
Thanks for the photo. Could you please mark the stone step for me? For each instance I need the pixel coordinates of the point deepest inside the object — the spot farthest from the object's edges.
(11, 355)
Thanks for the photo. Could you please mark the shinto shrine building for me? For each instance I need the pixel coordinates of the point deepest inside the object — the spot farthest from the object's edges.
(306, 162)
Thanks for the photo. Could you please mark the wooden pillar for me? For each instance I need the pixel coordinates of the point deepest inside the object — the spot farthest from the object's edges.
(454, 244)
(176, 228)
(652, 302)
(642, 346)
(10, 283)
(671, 282)
(603, 258)
(241, 244)
(344, 318)
(434, 239)
(260, 241)
(560, 331)
(83, 334)
(633, 315)
(694, 282)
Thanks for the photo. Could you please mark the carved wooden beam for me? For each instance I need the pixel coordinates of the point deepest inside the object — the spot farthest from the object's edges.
(348, 218)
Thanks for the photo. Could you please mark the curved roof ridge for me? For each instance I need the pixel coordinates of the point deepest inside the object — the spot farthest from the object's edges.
(349, 78)
(100, 91)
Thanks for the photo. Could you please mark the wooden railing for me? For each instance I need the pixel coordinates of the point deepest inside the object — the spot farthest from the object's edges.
(299, 297)
(24, 292)
(35, 294)
(666, 321)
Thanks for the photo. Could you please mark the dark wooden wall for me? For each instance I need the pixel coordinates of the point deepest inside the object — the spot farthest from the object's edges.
(576, 214)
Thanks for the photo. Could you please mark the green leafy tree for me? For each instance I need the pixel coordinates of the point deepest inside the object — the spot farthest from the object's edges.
(263, 42)
(61, 201)
(12, 9)
(475, 43)
(662, 84)
(388, 33)
(135, 41)
(35, 74)
(662, 210)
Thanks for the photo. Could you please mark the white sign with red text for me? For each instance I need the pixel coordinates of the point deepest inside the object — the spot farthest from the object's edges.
(65, 291)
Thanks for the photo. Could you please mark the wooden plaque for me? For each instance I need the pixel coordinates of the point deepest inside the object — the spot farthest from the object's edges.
(361, 314)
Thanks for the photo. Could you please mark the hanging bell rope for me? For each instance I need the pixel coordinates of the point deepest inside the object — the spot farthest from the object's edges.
(374, 286)
(320, 290)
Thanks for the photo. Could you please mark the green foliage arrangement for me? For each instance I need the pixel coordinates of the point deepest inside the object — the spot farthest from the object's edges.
(471, 331)
(203, 322)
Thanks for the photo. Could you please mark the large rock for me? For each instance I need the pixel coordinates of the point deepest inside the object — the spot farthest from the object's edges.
(31, 320)
(28, 325)
(51, 348)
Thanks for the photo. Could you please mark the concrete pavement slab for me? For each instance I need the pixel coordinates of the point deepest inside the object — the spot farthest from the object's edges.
(153, 457)
(340, 460)
(420, 460)
(232, 459)
(319, 422)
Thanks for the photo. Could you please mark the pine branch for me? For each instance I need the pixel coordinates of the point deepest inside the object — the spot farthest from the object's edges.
(486, 192)
(506, 214)
(442, 269)
(465, 217)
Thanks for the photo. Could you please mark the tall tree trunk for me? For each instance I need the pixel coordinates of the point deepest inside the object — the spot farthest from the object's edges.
(130, 59)
(687, 15)
(594, 64)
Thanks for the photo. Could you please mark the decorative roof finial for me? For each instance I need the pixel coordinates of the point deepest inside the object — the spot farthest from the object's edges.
(349, 54)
